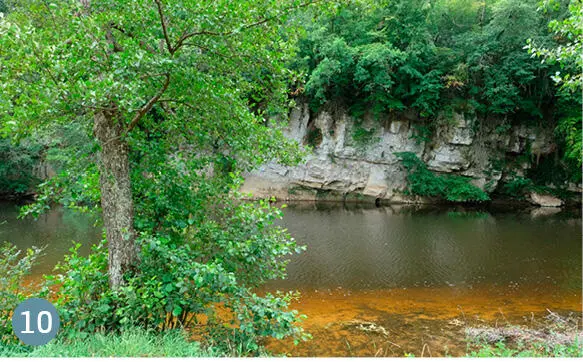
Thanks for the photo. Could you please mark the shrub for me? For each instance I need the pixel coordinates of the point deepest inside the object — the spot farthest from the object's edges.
(211, 272)
(14, 266)
(517, 187)
(422, 182)
(458, 188)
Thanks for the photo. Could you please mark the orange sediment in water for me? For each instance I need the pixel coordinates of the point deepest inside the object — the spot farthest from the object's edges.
(428, 321)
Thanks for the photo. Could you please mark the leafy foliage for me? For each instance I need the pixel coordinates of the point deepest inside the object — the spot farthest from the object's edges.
(569, 129)
(213, 273)
(14, 266)
(517, 187)
(567, 53)
(17, 163)
(361, 54)
(392, 55)
(362, 136)
(568, 31)
(423, 182)
(436, 57)
(197, 89)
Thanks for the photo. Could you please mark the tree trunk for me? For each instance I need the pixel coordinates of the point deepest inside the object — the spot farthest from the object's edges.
(116, 196)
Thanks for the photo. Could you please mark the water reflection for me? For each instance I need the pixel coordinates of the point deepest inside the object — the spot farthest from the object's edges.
(56, 230)
(388, 247)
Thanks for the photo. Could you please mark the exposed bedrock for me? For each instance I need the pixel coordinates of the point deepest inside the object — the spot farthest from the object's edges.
(355, 160)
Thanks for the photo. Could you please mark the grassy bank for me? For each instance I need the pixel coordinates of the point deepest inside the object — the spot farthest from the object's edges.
(135, 343)
(501, 349)
(552, 336)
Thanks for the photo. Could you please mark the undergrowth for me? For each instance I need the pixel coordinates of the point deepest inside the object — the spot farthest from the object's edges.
(552, 336)
(422, 182)
(501, 349)
(363, 137)
(130, 343)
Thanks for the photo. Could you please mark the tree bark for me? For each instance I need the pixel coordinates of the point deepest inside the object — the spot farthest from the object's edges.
(116, 196)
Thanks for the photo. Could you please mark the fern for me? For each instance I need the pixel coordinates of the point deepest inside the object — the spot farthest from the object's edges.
(423, 182)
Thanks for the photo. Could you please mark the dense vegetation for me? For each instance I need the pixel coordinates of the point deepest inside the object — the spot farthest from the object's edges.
(133, 343)
(435, 58)
(423, 182)
(17, 167)
(14, 266)
(505, 59)
(159, 107)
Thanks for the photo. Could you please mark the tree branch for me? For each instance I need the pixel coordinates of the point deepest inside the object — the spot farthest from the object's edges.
(185, 37)
(207, 49)
(164, 30)
(142, 111)
(131, 35)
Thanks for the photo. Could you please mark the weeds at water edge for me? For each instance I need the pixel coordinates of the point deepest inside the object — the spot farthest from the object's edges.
(553, 336)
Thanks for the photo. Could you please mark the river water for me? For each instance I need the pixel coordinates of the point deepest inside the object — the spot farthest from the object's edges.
(393, 280)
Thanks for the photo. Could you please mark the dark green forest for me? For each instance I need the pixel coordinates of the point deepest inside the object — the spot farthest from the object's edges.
(439, 57)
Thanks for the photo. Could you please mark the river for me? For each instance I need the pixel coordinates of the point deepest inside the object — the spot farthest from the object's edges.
(387, 281)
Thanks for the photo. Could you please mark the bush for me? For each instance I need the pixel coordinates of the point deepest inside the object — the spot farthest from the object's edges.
(517, 187)
(213, 273)
(422, 182)
(14, 266)
(458, 188)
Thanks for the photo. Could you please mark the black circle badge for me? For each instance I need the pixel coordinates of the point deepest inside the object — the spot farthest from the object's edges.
(35, 321)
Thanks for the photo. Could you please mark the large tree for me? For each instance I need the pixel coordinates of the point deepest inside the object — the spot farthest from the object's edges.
(190, 79)
(568, 53)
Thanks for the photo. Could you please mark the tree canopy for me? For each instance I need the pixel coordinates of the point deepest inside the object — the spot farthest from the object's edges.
(168, 102)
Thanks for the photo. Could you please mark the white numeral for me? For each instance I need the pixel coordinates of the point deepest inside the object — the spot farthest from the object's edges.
(27, 316)
(49, 322)
(39, 322)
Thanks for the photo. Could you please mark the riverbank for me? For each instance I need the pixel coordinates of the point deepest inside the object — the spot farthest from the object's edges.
(133, 343)
(482, 155)
(550, 336)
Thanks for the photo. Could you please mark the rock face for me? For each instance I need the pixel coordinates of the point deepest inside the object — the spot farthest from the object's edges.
(345, 165)
(545, 200)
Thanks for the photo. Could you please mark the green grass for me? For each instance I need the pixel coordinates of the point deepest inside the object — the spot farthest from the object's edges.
(500, 349)
(135, 343)
(551, 336)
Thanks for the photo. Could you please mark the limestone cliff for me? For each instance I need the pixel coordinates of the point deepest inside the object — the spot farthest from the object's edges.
(343, 166)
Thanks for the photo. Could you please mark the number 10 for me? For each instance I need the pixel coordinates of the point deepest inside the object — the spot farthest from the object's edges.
(39, 321)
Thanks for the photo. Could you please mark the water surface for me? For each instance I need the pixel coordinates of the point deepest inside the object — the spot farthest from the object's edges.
(423, 275)
(55, 230)
(402, 247)
(393, 280)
